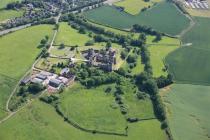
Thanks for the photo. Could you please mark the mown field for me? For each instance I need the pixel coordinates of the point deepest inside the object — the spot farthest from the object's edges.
(133, 7)
(188, 111)
(93, 109)
(190, 64)
(7, 14)
(109, 15)
(40, 118)
(158, 54)
(18, 51)
(69, 36)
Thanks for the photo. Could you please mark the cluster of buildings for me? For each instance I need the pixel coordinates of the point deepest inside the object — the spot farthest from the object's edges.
(104, 59)
(197, 4)
(52, 81)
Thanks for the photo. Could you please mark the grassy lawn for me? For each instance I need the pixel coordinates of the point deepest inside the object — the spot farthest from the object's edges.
(40, 121)
(109, 15)
(133, 7)
(24, 42)
(93, 109)
(8, 14)
(157, 56)
(190, 64)
(188, 111)
(70, 36)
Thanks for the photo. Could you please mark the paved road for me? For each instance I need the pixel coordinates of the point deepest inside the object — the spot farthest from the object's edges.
(14, 29)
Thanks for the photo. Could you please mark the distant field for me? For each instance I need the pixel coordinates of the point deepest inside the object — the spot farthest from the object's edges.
(40, 118)
(3, 3)
(157, 56)
(8, 14)
(25, 43)
(109, 15)
(190, 64)
(70, 36)
(135, 6)
(188, 111)
(93, 109)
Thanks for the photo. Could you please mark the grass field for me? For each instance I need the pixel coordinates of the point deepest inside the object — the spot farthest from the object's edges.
(135, 6)
(109, 15)
(190, 64)
(40, 121)
(18, 51)
(25, 43)
(70, 36)
(8, 14)
(3, 3)
(188, 111)
(93, 109)
(157, 56)
(6, 86)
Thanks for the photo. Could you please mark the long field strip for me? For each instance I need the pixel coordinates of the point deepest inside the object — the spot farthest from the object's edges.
(190, 64)
(168, 20)
(18, 51)
(188, 111)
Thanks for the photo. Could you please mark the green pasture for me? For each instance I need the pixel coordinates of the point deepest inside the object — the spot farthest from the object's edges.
(109, 15)
(40, 121)
(157, 57)
(8, 14)
(3, 3)
(93, 109)
(190, 63)
(69, 36)
(133, 7)
(6, 86)
(188, 111)
(18, 50)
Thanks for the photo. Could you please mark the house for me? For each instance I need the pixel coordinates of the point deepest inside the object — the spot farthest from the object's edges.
(56, 83)
(25, 81)
(37, 81)
(64, 71)
(42, 77)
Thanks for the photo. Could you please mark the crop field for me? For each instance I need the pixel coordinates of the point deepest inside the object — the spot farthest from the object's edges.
(40, 118)
(190, 64)
(133, 7)
(93, 109)
(7, 14)
(188, 111)
(157, 56)
(109, 15)
(69, 36)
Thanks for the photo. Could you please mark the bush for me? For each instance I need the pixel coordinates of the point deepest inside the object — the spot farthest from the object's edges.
(35, 88)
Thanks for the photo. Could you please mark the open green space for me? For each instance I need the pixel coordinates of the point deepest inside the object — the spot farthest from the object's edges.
(157, 56)
(109, 15)
(6, 86)
(93, 109)
(69, 36)
(3, 3)
(190, 64)
(188, 111)
(135, 6)
(15, 63)
(8, 14)
(40, 118)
